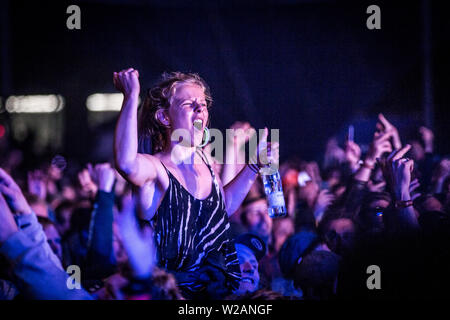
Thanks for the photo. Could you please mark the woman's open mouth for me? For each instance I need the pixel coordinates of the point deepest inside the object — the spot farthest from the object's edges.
(198, 124)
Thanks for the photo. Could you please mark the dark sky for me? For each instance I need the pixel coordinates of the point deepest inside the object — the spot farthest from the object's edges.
(309, 68)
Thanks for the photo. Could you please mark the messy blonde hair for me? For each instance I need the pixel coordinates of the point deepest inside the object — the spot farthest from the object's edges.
(159, 98)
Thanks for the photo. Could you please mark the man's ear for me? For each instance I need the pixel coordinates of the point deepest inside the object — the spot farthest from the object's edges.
(162, 117)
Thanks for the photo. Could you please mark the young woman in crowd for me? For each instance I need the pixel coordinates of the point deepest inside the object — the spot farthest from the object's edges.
(179, 192)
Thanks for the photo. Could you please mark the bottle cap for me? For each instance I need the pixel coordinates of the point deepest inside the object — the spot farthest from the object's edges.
(268, 169)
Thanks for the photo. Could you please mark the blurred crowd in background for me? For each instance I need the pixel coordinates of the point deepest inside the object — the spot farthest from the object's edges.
(388, 207)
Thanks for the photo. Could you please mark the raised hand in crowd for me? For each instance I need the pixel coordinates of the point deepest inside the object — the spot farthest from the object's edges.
(384, 126)
(102, 175)
(352, 154)
(13, 194)
(379, 146)
(397, 171)
(134, 167)
(235, 151)
(127, 82)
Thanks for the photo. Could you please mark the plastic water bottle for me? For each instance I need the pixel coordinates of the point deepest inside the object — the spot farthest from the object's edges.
(274, 191)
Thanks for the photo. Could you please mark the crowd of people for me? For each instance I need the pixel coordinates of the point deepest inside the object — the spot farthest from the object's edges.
(388, 207)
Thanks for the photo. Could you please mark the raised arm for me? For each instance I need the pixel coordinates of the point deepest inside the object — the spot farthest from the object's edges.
(379, 146)
(233, 165)
(100, 260)
(397, 171)
(136, 168)
(237, 189)
(36, 270)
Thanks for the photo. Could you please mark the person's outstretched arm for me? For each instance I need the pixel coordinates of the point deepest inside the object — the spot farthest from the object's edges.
(233, 164)
(237, 189)
(37, 276)
(24, 245)
(397, 171)
(100, 260)
(136, 168)
(357, 186)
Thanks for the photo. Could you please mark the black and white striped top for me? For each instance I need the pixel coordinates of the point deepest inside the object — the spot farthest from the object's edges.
(190, 233)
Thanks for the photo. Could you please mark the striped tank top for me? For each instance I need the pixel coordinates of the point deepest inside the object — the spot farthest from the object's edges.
(194, 242)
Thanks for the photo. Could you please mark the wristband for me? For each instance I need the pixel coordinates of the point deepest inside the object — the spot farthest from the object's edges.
(399, 204)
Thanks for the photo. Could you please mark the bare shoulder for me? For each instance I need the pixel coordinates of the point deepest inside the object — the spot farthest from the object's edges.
(147, 169)
(156, 161)
(150, 159)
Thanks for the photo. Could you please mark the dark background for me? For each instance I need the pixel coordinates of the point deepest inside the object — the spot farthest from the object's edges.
(309, 68)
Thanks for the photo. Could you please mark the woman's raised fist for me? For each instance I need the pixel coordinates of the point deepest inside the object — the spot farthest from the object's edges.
(127, 82)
